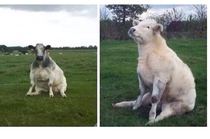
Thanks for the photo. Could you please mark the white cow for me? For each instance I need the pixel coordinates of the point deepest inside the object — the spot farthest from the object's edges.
(45, 74)
(169, 80)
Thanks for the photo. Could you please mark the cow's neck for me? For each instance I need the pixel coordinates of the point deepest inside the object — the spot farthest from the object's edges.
(42, 64)
(146, 49)
(47, 62)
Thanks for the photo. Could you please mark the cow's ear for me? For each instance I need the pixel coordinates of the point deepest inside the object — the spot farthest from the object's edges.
(158, 28)
(31, 47)
(47, 47)
(135, 22)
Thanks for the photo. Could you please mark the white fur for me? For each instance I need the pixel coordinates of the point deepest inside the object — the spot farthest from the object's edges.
(47, 79)
(160, 70)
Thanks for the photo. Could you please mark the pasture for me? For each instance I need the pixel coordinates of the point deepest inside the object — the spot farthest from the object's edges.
(78, 109)
(118, 82)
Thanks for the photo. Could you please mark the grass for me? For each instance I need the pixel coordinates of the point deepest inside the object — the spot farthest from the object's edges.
(78, 109)
(118, 78)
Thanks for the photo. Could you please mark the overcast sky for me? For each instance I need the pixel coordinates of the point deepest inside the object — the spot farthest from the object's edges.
(57, 25)
(160, 9)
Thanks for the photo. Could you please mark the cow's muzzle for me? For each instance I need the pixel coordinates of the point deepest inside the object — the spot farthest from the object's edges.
(39, 58)
(131, 31)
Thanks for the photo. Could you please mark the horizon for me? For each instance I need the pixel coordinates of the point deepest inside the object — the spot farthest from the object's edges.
(52, 47)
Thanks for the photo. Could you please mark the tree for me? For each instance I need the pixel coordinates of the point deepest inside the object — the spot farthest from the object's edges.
(3, 48)
(104, 14)
(168, 16)
(175, 14)
(117, 27)
(201, 15)
(201, 11)
(122, 12)
(175, 26)
(178, 25)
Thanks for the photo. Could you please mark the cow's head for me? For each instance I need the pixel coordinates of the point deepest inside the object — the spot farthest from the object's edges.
(144, 32)
(40, 51)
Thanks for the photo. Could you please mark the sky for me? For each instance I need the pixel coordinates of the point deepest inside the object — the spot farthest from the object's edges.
(161, 8)
(57, 25)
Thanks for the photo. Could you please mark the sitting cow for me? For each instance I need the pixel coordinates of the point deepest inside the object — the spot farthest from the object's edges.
(45, 74)
(168, 79)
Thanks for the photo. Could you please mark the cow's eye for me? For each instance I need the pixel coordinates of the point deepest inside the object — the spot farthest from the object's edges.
(148, 27)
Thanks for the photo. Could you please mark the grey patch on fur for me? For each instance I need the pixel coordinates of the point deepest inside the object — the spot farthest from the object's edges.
(46, 63)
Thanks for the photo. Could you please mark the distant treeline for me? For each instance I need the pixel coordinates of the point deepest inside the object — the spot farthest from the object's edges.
(176, 24)
(4, 48)
(176, 29)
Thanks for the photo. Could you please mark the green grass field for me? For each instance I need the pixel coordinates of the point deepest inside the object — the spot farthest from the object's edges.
(118, 82)
(78, 109)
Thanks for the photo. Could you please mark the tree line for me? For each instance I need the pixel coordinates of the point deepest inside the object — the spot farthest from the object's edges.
(176, 23)
(23, 50)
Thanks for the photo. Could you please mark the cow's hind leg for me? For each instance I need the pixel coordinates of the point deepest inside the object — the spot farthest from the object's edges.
(145, 101)
(173, 108)
(124, 104)
(62, 89)
(37, 91)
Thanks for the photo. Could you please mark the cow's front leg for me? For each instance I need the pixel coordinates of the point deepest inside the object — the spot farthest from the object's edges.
(141, 93)
(158, 89)
(30, 89)
(50, 84)
(50, 91)
(32, 84)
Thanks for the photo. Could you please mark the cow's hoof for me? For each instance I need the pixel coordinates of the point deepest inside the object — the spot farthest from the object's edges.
(135, 108)
(150, 122)
(28, 94)
(32, 94)
(113, 104)
(63, 95)
(51, 95)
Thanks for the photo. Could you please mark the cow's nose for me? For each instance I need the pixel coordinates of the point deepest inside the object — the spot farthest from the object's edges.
(132, 30)
(39, 58)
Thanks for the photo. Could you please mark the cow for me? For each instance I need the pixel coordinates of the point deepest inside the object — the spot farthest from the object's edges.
(168, 79)
(45, 74)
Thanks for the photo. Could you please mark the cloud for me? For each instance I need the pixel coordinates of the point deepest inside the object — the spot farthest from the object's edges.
(159, 9)
(54, 27)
